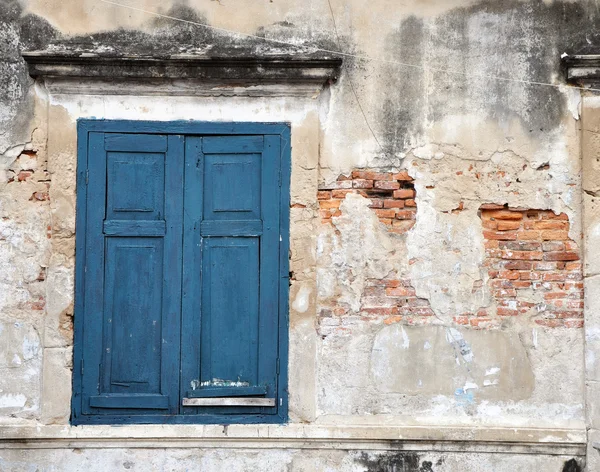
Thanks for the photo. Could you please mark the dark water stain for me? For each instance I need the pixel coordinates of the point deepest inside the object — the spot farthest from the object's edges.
(17, 33)
(396, 462)
(507, 38)
(572, 466)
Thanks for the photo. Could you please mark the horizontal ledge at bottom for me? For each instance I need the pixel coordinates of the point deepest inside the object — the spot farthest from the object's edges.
(307, 443)
(570, 441)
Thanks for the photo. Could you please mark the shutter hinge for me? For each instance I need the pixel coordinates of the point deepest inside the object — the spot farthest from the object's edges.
(277, 366)
(81, 366)
(280, 177)
(87, 177)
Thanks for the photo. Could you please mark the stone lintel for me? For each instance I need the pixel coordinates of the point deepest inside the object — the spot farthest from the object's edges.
(186, 74)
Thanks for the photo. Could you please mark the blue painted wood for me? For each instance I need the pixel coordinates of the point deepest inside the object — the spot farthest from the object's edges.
(269, 267)
(232, 184)
(233, 144)
(135, 228)
(231, 228)
(234, 163)
(132, 142)
(204, 128)
(191, 314)
(135, 184)
(230, 310)
(131, 401)
(132, 318)
(80, 244)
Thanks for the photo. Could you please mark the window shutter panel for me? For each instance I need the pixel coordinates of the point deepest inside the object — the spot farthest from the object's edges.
(131, 311)
(231, 268)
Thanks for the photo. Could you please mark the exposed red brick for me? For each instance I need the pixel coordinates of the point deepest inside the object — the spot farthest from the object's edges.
(537, 255)
(386, 185)
(393, 203)
(404, 193)
(505, 225)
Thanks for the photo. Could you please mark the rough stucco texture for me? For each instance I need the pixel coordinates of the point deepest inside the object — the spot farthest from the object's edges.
(436, 219)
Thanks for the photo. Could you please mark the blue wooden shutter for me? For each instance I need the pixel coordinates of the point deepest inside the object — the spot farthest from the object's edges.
(231, 270)
(132, 276)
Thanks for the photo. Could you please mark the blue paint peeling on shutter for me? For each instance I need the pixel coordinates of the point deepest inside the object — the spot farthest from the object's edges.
(181, 284)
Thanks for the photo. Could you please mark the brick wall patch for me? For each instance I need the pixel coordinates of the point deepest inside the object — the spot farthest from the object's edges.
(533, 265)
(392, 197)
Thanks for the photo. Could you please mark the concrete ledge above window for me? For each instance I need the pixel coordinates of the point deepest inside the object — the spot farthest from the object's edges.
(277, 75)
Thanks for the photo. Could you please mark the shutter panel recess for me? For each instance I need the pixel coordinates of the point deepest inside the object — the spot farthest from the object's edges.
(133, 249)
(231, 268)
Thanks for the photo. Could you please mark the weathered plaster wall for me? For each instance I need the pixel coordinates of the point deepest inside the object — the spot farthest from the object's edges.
(396, 314)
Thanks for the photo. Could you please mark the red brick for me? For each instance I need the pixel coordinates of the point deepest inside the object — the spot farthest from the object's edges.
(561, 256)
(523, 255)
(361, 183)
(387, 213)
(491, 244)
(509, 235)
(555, 235)
(404, 193)
(551, 224)
(550, 246)
(553, 276)
(386, 185)
(461, 320)
(323, 195)
(368, 175)
(405, 215)
(517, 265)
(505, 225)
(410, 203)
(530, 275)
(573, 266)
(507, 312)
(376, 203)
(329, 204)
(489, 224)
(491, 206)
(529, 235)
(508, 274)
(393, 204)
(521, 245)
(545, 266)
(521, 284)
(342, 193)
(505, 215)
(550, 215)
